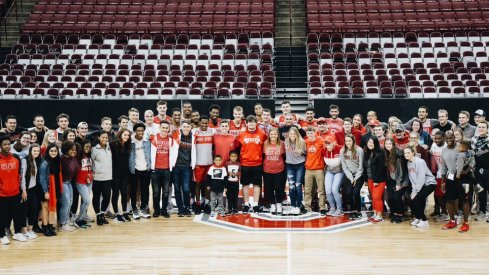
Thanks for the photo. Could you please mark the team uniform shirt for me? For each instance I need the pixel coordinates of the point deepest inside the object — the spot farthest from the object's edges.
(223, 145)
(251, 144)
(236, 129)
(203, 145)
(162, 160)
(157, 119)
(274, 158)
(216, 177)
(334, 125)
(435, 159)
(235, 168)
(281, 119)
(315, 153)
(214, 124)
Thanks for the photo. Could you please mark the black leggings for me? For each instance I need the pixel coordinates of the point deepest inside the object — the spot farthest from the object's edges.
(140, 179)
(30, 208)
(232, 195)
(10, 209)
(119, 186)
(418, 204)
(101, 188)
(352, 193)
(275, 184)
(395, 198)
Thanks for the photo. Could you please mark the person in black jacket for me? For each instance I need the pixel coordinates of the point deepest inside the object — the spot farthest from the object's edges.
(121, 148)
(375, 171)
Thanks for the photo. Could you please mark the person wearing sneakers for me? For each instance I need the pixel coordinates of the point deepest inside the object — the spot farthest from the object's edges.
(140, 170)
(480, 145)
(102, 176)
(274, 170)
(250, 143)
(120, 148)
(30, 189)
(232, 184)
(375, 173)
(10, 197)
(351, 157)
(51, 181)
(69, 168)
(215, 182)
(454, 190)
(295, 157)
(333, 178)
(423, 183)
(84, 181)
(440, 212)
(315, 152)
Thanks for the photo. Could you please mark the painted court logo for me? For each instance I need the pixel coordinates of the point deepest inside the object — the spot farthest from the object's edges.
(267, 223)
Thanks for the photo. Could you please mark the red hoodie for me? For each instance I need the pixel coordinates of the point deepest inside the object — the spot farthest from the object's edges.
(9, 176)
(402, 142)
(332, 159)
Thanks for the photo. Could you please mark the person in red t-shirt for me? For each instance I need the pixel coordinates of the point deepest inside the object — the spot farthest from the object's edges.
(285, 111)
(237, 125)
(348, 129)
(310, 120)
(335, 124)
(251, 147)
(315, 150)
(273, 170)
(214, 113)
(224, 142)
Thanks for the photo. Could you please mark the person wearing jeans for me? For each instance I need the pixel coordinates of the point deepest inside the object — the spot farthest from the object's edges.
(351, 157)
(423, 183)
(333, 178)
(183, 168)
(84, 181)
(164, 152)
(69, 168)
(295, 157)
(139, 168)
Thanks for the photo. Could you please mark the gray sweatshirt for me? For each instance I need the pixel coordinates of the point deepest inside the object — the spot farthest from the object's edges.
(291, 156)
(448, 161)
(465, 159)
(353, 168)
(419, 174)
(102, 163)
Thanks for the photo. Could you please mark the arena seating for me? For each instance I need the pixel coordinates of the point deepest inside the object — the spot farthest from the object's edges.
(126, 48)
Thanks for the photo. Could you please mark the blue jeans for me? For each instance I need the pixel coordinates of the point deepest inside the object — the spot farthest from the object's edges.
(295, 177)
(160, 182)
(66, 201)
(332, 184)
(84, 191)
(181, 181)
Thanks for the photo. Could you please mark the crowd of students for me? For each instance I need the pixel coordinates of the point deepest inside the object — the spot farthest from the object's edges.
(56, 174)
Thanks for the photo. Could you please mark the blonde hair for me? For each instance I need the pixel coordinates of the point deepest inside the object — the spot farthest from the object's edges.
(299, 143)
(45, 141)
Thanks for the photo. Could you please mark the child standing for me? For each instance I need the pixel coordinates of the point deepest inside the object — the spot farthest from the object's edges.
(216, 178)
(232, 184)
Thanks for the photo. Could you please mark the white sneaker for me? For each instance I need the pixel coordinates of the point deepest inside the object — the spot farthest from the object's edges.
(442, 218)
(88, 218)
(338, 213)
(480, 216)
(135, 214)
(31, 235)
(5, 240)
(415, 222)
(423, 224)
(66, 228)
(273, 209)
(296, 211)
(144, 214)
(331, 212)
(19, 237)
(279, 209)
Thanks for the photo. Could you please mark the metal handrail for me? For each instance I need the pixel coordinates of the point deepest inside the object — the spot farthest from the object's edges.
(11, 9)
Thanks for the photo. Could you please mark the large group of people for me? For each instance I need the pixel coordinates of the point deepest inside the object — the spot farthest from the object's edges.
(53, 175)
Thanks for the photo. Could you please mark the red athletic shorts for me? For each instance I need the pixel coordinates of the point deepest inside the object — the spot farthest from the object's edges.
(200, 173)
(438, 191)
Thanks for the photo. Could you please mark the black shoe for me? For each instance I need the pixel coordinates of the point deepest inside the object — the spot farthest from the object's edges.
(246, 209)
(46, 231)
(104, 220)
(119, 218)
(126, 217)
(165, 214)
(198, 209)
(156, 214)
(181, 214)
(207, 208)
(303, 210)
(323, 212)
(187, 213)
(52, 232)
(256, 209)
(100, 221)
(37, 229)
(79, 223)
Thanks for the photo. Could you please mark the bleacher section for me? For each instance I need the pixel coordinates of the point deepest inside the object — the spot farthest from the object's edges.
(396, 15)
(143, 49)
